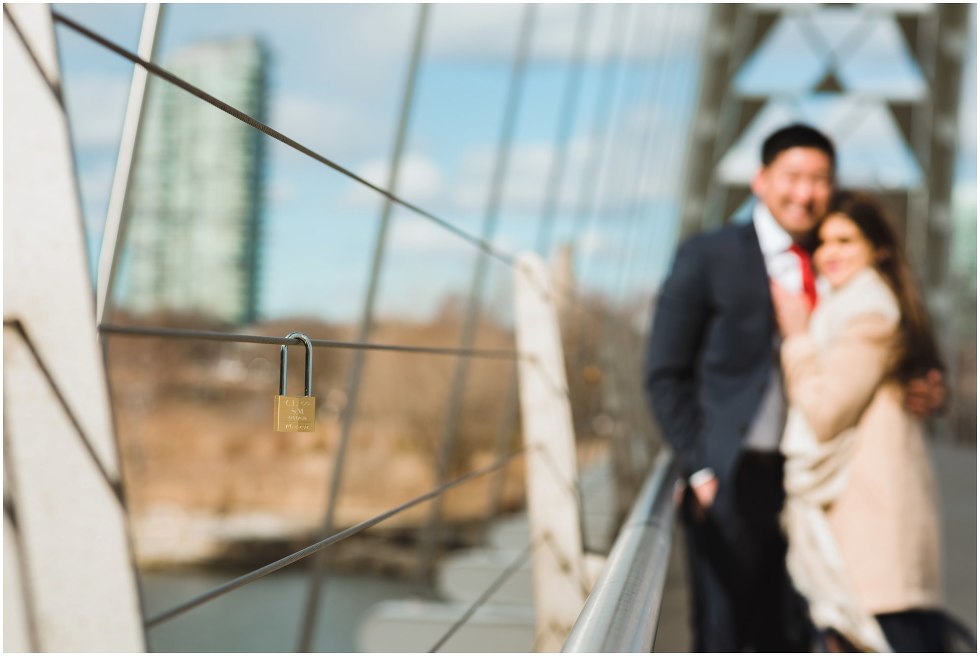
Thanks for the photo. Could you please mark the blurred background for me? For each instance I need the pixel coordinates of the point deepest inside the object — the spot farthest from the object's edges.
(596, 135)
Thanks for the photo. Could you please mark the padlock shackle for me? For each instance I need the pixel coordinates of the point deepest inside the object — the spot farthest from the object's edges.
(284, 363)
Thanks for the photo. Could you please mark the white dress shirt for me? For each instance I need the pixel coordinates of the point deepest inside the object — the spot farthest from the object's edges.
(782, 264)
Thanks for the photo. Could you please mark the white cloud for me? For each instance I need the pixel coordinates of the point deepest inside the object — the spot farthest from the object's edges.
(414, 235)
(334, 127)
(524, 185)
(473, 31)
(464, 191)
(377, 33)
(530, 166)
(419, 182)
(651, 147)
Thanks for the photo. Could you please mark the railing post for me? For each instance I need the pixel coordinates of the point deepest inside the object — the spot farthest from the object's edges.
(560, 581)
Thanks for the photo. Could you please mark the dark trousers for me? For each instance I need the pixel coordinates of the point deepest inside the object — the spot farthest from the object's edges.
(909, 631)
(742, 596)
(914, 631)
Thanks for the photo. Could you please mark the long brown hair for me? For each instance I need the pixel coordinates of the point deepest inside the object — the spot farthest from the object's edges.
(919, 350)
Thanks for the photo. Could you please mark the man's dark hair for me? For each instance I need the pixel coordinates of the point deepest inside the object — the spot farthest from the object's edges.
(797, 135)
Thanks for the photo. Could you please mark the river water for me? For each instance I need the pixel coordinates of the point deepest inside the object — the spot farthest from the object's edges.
(263, 616)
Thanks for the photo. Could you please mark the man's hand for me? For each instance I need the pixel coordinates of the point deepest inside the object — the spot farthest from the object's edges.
(704, 493)
(926, 396)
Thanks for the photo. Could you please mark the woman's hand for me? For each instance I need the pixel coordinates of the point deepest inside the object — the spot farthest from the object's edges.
(792, 310)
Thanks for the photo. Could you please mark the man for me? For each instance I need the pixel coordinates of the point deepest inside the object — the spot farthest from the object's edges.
(715, 387)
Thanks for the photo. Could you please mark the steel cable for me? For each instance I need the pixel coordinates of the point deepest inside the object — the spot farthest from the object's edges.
(183, 333)
(326, 542)
(136, 331)
(480, 601)
(275, 134)
(115, 486)
(484, 246)
(54, 87)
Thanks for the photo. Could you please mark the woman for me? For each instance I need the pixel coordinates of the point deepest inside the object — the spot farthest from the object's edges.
(861, 513)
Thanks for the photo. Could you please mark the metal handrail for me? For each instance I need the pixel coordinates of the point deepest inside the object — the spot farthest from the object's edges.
(623, 610)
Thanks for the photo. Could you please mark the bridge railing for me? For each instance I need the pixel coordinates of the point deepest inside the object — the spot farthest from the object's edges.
(623, 611)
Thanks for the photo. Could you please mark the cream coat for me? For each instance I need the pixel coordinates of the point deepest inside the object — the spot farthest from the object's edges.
(859, 458)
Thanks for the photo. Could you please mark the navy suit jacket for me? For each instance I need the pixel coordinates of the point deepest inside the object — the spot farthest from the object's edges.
(711, 348)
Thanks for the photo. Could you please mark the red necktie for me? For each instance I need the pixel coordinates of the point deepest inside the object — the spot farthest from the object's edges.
(809, 285)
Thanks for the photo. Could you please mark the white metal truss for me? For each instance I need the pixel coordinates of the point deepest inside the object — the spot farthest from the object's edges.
(69, 583)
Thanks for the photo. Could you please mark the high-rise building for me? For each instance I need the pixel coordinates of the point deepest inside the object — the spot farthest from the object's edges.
(194, 208)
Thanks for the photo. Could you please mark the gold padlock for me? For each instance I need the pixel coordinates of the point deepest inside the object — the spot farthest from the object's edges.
(295, 413)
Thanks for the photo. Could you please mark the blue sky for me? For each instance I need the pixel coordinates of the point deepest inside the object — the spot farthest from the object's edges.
(336, 79)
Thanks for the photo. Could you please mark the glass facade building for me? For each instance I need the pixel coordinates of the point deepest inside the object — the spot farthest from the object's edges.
(195, 208)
